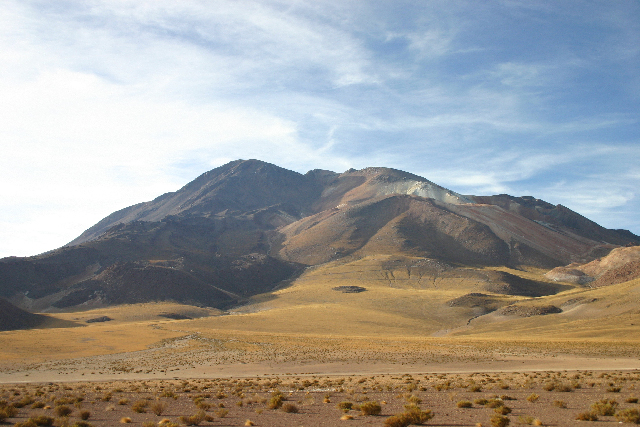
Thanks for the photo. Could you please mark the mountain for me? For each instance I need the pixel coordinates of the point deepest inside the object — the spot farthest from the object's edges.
(249, 227)
(12, 317)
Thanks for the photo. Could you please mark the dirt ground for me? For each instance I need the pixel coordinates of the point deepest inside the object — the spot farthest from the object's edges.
(534, 398)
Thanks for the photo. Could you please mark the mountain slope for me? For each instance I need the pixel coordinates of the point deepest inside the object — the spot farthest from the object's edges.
(12, 318)
(250, 227)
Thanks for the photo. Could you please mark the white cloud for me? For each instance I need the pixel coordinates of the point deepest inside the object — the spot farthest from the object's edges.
(109, 103)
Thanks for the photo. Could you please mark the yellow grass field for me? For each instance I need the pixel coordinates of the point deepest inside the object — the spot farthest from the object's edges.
(401, 322)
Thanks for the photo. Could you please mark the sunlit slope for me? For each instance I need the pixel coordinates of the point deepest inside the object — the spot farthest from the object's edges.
(385, 294)
(610, 312)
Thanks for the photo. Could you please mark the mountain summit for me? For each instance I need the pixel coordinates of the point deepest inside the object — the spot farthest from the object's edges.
(248, 227)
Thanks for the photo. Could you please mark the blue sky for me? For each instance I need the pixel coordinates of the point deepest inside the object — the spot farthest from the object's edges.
(110, 103)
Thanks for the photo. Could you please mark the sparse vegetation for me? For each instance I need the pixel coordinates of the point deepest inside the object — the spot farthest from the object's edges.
(604, 407)
(370, 408)
(628, 415)
(194, 419)
(499, 421)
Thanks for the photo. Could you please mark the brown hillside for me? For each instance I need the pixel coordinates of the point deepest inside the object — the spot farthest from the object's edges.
(621, 265)
(249, 227)
(12, 318)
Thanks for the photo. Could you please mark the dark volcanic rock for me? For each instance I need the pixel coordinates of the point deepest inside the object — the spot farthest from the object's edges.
(175, 316)
(524, 311)
(349, 289)
(100, 319)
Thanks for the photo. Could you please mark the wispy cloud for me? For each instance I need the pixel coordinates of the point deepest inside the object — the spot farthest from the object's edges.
(106, 104)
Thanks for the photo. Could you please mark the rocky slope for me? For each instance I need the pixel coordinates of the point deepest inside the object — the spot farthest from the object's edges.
(248, 227)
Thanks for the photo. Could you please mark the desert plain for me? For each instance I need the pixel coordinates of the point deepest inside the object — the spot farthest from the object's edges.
(318, 348)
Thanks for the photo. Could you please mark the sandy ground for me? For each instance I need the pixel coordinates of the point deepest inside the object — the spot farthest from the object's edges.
(239, 355)
(532, 398)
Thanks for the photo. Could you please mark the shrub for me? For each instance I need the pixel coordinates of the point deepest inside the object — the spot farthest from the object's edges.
(140, 406)
(123, 402)
(560, 404)
(158, 408)
(62, 411)
(276, 400)
(41, 420)
(494, 403)
(38, 405)
(290, 408)
(412, 415)
(370, 408)
(480, 402)
(28, 423)
(414, 399)
(415, 415)
(587, 416)
(345, 406)
(221, 413)
(125, 420)
(628, 415)
(500, 421)
(195, 419)
(503, 410)
(82, 424)
(632, 400)
(475, 388)
(85, 415)
(395, 421)
(533, 397)
(8, 412)
(604, 407)
(27, 400)
(464, 404)
(522, 419)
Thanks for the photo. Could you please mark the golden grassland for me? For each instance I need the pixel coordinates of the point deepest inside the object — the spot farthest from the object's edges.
(402, 321)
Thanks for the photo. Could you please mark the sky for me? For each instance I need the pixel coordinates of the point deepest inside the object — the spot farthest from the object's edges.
(105, 104)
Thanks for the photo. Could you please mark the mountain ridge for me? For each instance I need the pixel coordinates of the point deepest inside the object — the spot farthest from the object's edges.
(249, 227)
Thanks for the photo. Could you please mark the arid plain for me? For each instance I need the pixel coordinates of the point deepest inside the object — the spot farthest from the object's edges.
(260, 296)
(390, 345)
